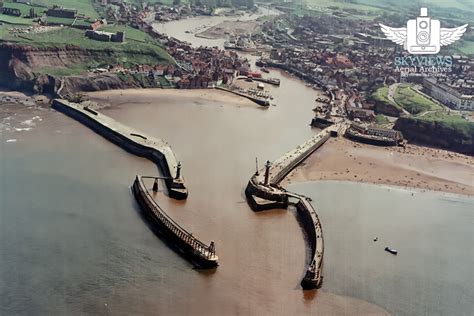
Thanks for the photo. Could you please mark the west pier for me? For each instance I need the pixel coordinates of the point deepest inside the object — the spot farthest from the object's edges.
(154, 149)
(158, 151)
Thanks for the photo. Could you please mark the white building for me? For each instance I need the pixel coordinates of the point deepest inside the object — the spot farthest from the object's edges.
(448, 96)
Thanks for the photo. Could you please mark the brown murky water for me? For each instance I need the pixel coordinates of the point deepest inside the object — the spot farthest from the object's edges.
(262, 256)
(72, 240)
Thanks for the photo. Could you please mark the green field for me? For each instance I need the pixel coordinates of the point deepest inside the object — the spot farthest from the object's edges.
(464, 47)
(412, 101)
(381, 119)
(52, 20)
(390, 5)
(451, 122)
(381, 95)
(84, 7)
(8, 19)
(139, 48)
(444, 116)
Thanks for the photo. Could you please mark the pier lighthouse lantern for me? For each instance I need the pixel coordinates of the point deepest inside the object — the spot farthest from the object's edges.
(178, 170)
(267, 171)
(155, 185)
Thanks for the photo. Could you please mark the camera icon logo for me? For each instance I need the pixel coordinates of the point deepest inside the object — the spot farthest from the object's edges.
(423, 35)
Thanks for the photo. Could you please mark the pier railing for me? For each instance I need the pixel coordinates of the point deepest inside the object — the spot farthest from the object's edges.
(205, 250)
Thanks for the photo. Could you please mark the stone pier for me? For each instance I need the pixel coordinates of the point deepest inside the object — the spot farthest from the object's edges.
(155, 149)
(264, 192)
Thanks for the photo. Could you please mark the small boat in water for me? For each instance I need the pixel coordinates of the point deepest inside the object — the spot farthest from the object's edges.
(391, 250)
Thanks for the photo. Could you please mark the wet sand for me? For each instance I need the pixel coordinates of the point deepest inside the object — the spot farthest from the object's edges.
(148, 96)
(417, 167)
(226, 28)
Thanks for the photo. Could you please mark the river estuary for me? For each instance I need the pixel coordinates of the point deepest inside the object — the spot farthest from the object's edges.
(72, 240)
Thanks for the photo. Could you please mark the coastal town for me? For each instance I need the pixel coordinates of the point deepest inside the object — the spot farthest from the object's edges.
(349, 59)
(155, 150)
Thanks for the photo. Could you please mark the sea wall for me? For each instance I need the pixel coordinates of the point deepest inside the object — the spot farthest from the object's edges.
(255, 100)
(156, 150)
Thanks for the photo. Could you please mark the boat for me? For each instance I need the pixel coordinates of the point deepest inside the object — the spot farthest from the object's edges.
(265, 70)
(391, 250)
(259, 63)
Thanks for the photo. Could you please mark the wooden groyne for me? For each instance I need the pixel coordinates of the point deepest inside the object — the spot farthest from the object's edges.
(155, 149)
(201, 255)
(263, 192)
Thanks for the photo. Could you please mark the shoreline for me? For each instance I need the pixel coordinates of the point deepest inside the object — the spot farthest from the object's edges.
(146, 96)
(420, 168)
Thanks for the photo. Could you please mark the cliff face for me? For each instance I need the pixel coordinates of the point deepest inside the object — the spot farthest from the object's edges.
(18, 64)
(457, 137)
(387, 109)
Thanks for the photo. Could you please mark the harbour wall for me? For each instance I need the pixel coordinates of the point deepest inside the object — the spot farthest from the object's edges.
(306, 149)
(298, 74)
(156, 150)
(263, 192)
(201, 255)
(255, 100)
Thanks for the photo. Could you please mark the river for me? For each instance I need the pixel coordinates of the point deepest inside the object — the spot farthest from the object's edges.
(72, 240)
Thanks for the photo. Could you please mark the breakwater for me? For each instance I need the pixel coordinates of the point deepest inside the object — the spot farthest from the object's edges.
(264, 192)
(155, 149)
(201, 255)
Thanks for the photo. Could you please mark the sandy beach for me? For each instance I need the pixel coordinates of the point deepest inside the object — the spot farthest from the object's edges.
(417, 167)
(339, 159)
(224, 29)
(148, 96)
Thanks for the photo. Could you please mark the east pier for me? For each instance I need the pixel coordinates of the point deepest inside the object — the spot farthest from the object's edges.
(264, 192)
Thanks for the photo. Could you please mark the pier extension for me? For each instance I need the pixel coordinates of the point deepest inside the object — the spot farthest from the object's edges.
(201, 255)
